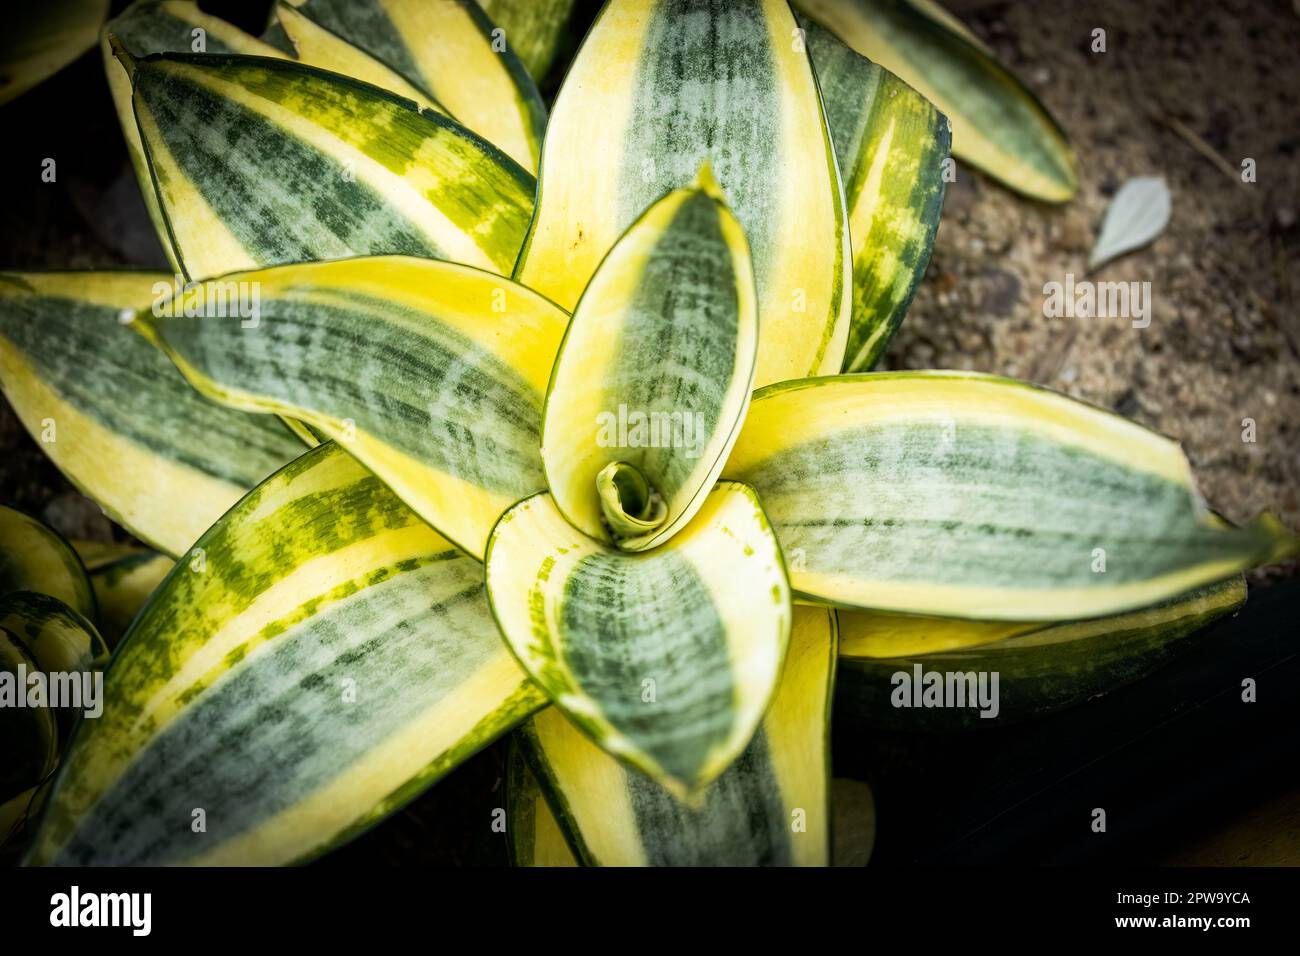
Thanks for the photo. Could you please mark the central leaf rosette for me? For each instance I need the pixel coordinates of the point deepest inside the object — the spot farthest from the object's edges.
(649, 601)
(653, 377)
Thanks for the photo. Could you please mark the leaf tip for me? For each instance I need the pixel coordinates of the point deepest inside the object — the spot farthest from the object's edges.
(708, 184)
(124, 56)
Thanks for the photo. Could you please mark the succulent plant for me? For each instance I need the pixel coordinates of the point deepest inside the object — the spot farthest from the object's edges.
(598, 460)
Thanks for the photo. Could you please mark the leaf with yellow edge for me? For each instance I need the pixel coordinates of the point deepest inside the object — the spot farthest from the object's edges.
(64, 645)
(967, 495)
(998, 125)
(539, 31)
(769, 808)
(123, 576)
(666, 658)
(891, 144)
(653, 376)
(163, 26)
(1039, 668)
(432, 374)
(324, 49)
(661, 87)
(261, 161)
(96, 394)
(447, 52)
(30, 735)
(35, 557)
(331, 658)
(42, 38)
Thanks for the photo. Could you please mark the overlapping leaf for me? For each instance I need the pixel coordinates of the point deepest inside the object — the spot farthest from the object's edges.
(961, 494)
(1040, 667)
(448, 52)
(667, 658)
(122, 576)
(998, 126)
(653, 377)
(769, 808)
(327, 658)
(538, 30)
(259, 161)
(890, 143)
(116, 417)
(35, 557)
(62, 644)
(430, 373)
(661, 87)
(42, 38)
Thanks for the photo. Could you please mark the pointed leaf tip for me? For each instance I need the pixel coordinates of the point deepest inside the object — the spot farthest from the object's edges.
(124, 56)
(708, 184)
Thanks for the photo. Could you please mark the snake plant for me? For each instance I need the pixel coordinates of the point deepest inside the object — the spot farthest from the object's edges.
(597, 460)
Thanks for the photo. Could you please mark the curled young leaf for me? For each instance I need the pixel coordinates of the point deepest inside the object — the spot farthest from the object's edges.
(653, 377)
(666, 658)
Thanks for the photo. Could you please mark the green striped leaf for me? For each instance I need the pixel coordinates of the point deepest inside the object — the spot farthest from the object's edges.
(61, 642)
(537, 30)
(260, 161)
(163, 26)
(123, 576)
(42, 38)
(769, 808)
(1042, 669)
(447, 51)
(534, 834)
(661, 87)
(114, 414)
(890, 144)
(35, 557)
(30, 734)
(998, 126)
(313, 44)
(666, 658)
(951, 493)
(323, 659)
(653, 377)
(430, 373)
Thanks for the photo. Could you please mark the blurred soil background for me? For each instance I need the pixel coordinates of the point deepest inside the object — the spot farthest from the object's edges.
(1185, 91)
